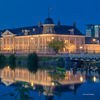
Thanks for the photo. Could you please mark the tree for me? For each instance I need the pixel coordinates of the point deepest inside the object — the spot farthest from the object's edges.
(12, 61)
(56, 45)
(32, 62)
(2, 61)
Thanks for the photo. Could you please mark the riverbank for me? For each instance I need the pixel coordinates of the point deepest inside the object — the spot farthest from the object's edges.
(24, 61)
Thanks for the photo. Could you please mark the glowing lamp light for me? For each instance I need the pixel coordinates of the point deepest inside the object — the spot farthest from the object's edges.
(81, 79)
(94, 78)
(94, 40)
(52, 38)
(8, 67)
(81, 47)
(66, 78)
(32, 38)
(32, 84)
(53, 83)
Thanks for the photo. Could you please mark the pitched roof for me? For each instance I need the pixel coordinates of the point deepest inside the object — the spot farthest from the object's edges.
(33, 30)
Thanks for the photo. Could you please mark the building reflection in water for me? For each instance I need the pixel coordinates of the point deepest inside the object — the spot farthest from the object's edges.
(42, 81)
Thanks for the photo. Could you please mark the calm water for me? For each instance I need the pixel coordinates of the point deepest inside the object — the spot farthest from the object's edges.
(74, 86)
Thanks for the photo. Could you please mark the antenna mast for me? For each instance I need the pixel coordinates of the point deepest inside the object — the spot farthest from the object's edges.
(49, 12)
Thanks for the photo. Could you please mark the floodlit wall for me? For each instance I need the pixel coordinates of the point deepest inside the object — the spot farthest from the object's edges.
(39, 43)
(92, 48)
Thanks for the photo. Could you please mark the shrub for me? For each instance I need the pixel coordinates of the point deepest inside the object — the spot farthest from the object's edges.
(32, 62)
(12, 61)
(2, 61)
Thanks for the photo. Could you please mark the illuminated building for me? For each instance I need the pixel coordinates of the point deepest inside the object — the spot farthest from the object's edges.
(36, 38)
(93, 34)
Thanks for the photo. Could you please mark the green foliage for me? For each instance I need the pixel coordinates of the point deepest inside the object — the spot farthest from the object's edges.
(21, 92)
(32, 62)
(12, 61)
(56, 45)
(2, 61)
(58, 74)
(58, 69)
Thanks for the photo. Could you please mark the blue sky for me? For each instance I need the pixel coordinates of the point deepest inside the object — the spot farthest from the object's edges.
(19, 13)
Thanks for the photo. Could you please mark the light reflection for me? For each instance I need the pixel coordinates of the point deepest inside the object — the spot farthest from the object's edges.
(41, 77)
(94, 78)
(32, 84)
(81, 79)
(8, 67)
(53, 84)
(81, 47)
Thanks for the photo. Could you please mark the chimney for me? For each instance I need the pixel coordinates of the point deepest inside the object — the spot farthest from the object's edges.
(59, 23)
(26, 32)
(39, 24)
(74, 24)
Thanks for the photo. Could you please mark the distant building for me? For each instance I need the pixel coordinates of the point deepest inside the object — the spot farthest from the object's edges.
(93, 32)
(36, 38)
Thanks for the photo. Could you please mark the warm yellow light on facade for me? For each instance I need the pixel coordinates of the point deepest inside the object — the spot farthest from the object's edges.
(8, 67)
(66, 41)
(66, 77)
(81, 79)
(52, 38)
(32, 38)
(7, 48)
(49, 78)
(64, 50)
(53, 83)
(94, 78)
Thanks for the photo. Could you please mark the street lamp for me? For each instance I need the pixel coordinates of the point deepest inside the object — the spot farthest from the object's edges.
(52, 38)
(94, 78)
(81, 79)
(94, 40)
(81, 48)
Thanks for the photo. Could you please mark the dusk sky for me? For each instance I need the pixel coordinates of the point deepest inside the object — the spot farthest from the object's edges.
(19, 13)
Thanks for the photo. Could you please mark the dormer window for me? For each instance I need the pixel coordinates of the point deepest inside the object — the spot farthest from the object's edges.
(71, 31)
(23, 31)
(34, 29)
(26, 32)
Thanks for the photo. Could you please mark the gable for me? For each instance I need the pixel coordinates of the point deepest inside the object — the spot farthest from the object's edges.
(8, 33)
(7, 82)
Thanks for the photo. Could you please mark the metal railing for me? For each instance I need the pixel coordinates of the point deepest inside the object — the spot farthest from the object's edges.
(45, 52)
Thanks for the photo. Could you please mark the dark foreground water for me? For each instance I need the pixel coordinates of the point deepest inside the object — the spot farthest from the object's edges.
(87, 91)
(78, 86)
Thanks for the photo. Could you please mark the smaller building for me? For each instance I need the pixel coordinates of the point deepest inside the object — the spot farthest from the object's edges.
(93, 31)
(93, 34)
(92, 39)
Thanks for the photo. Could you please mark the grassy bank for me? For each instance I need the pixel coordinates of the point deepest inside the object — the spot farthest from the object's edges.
(42, 62)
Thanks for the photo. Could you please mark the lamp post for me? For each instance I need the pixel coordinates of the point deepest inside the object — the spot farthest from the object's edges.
(52, 42)
(94, 41)
(81, 49)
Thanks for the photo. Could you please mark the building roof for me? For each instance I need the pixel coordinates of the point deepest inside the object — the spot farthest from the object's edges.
(35, 30)
(48, 21)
